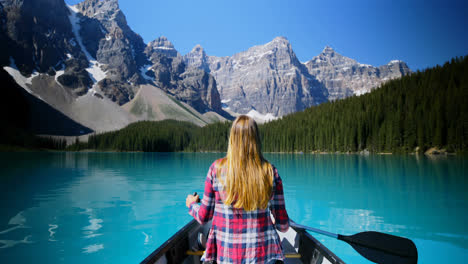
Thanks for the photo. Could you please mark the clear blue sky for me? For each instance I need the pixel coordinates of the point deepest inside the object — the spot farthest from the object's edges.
(421, 33)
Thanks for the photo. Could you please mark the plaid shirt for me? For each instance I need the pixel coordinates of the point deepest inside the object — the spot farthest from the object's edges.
(236, 235)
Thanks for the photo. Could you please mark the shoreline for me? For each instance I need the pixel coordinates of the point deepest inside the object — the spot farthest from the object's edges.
(9, 148)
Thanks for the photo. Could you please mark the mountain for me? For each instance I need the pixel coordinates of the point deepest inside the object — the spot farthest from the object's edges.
(86, 62)
(187, 84)
(266, 79)
(423, 111)
(21, 111)
(38, 37)
(344, 77)
(162, 46)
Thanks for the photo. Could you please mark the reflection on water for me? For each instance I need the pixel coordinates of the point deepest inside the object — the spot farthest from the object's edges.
(95, 207)
(93, 248)
(17, 222)
(118, 207)
(52, 232)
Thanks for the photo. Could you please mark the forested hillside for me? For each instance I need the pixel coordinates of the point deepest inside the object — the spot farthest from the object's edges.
(426, 109)
(160, 136)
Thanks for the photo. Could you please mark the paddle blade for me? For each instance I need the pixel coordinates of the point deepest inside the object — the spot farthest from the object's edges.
(383, 248)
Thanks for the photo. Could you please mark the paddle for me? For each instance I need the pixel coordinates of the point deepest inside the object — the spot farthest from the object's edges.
(375, 246)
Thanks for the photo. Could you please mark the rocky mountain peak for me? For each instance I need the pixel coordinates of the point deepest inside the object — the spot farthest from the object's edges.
(278, 48)
(395, 62)
(163, 46)
(343, 76)
(161, 42)
(328, 50)
(329, 58)
(266, 79)
(197, 58)
(280, 43)
(108, 6)
(106, 11)
(280, 39)
(198, 49)
(106, 36)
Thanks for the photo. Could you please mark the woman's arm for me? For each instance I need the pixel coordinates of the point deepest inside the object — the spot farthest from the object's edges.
(204, 212)
(277, 205)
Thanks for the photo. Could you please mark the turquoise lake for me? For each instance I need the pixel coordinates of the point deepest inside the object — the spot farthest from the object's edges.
(119, 207)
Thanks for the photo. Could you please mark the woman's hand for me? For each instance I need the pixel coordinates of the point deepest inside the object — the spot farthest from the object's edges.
(191, 198)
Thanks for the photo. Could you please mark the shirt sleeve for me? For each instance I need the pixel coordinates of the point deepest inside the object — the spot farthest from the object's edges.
(277, 204)
(204, 212)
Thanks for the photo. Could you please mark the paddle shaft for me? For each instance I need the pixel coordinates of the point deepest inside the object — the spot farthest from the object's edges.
(315, 230)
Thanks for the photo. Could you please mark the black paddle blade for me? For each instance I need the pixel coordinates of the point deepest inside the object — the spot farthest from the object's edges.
(383, 248)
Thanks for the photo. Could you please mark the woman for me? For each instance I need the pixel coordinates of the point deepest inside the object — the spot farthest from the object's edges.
(241, 190)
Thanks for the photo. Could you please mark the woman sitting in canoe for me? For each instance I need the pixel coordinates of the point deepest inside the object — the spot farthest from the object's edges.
(241, 190)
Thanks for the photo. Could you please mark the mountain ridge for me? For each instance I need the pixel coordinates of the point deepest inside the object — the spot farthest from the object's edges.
(87, 54)
(90, 58)
(338, 73)
(311, 81)
(268, 79)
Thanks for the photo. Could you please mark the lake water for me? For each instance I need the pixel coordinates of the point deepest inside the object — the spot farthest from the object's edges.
(119, 207)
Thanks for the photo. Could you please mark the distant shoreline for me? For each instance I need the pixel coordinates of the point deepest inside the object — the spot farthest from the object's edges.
(431, 152)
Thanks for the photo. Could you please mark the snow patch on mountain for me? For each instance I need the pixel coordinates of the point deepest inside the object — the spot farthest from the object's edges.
(164, 48)
(95, 72)
(143, 71)
(58, 74)
(261, 118)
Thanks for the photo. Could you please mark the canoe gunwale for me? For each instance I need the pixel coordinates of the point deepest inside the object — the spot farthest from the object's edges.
(182, 236)
(178, 237)
(328, 254)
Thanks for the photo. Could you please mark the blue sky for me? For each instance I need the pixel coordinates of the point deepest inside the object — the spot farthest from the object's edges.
(421, 33)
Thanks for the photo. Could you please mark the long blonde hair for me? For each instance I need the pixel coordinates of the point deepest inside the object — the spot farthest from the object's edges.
(249, 177)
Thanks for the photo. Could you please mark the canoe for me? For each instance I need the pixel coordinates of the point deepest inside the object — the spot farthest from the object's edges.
(184, 247)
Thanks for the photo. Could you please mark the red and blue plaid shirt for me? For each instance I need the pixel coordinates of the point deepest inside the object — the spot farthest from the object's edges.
(236, 235)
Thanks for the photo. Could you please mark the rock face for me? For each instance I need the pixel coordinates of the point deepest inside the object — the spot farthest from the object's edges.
(191, 85)
(268, 79)
(118, 50)
(197, 58)
(73, 57)
(85, 58)
(91, 46)
(344, 77)
(128, 62)
(162, 46)
(37, 35)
